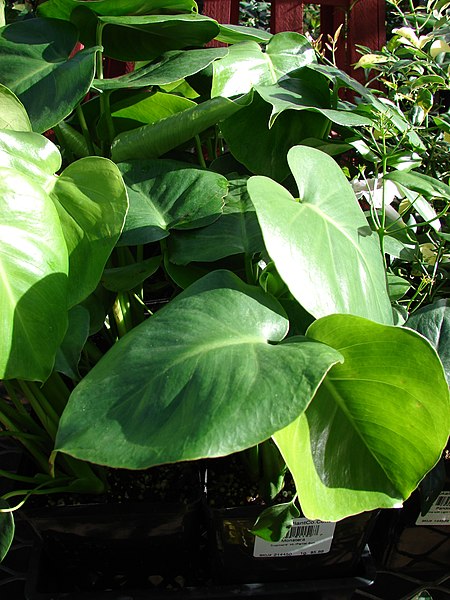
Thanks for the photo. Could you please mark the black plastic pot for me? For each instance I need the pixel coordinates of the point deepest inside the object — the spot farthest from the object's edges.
(312, 551)
(90, 550)
(340, 588)
(409, 542)
(87, 550)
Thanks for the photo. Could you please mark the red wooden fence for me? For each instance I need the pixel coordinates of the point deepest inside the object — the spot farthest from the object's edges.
(363, 22)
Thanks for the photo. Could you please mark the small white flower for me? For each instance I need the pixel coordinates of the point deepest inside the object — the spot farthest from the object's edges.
(372, 191)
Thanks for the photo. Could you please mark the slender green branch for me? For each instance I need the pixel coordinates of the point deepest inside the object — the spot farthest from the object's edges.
(85, 130)
(44, 411)
(201, 158)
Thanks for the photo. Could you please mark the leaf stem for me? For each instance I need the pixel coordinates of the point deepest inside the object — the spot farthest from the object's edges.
(85, 129)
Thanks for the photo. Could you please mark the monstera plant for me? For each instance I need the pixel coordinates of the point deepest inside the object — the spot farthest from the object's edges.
(189, 274)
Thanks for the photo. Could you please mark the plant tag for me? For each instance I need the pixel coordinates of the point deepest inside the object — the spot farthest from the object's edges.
(305, 537)
(439, 513)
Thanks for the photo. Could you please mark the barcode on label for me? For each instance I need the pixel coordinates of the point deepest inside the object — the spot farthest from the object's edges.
(301, 531)
(443, 501)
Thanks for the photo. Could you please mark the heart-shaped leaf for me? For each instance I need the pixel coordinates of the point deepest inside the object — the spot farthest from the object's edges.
(134, 38)
(433, 321)
(35, 64)
(373, 429)
(12, 112)
(33, 259)
(52, 254)
(142, 109)
(263, 150)
(171, 67)
(274, 522)
(307, 92)
(322, 245)
(152, 141)
(194, 380)
(236, 231)
(165, 195)
(123, 279)
(62, 9)
(6, 530)
(247, 65)
(92, 203)
(232, 34)
(69, 353)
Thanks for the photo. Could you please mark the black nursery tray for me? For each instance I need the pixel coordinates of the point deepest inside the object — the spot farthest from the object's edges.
(318, 589)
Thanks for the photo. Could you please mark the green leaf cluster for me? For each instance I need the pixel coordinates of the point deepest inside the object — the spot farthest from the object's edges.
(188, 270)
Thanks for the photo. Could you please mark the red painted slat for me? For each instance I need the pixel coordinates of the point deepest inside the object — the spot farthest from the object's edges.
(286, 15)
(363, 23)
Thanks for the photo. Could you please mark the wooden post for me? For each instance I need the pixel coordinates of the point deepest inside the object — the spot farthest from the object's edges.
(366, 26)
(363, 23)
(286, 15)
(223, 11)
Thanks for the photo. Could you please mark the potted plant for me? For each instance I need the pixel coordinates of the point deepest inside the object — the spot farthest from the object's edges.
(233, 308)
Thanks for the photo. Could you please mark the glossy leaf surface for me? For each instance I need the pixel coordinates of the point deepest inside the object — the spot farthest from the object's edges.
(322, 245)
(235, 232)
(12, 112)
(143, 109)
(263, 150)
(69, 353)
(152, 141)
(433, 322)
(172, 66)
(6, 530)
(61, 9)
(92, 203)
(167, 194)
(33, 259)
(182, 385)
(373, 429)
(58, 232)
(124, 279)
(35, 65)
(247, 65)
(274, 522)
(295, 93)
(145, 37)
(232, 34)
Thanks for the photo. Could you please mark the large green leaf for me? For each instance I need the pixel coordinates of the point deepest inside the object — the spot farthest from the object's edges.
(263, 150)
(7, 528)
(232, 34)
(58, 233)
(35, 64)
(307, 90)
(433, 321)
(69, 353)
(321, 244)
(61, 9)
(422, 184)
(144, 37)
(247, 65)
(152, 141)
(12, 112)
(373, 430)
(171, 67)
(385, 108)
(165, 195)
(142, 108)
(92, 202)
(194, 380)
(33, 259)
(236, 232)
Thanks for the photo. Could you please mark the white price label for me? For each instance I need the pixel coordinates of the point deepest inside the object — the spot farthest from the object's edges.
(305, 537)
(439, 513)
